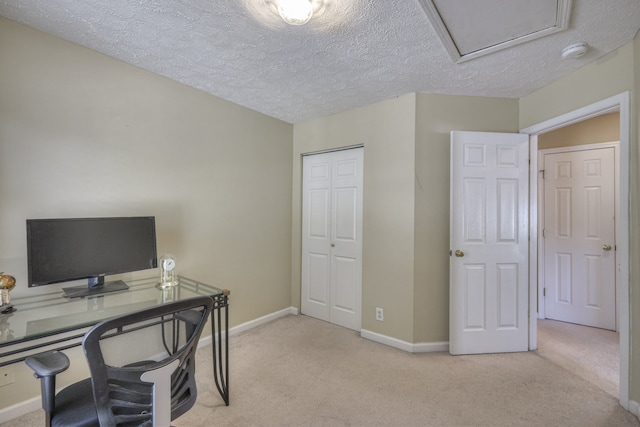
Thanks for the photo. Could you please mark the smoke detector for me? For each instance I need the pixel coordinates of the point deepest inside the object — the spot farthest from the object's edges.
(573, 51)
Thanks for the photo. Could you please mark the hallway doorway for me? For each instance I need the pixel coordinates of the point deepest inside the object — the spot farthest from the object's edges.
(575, 310)
(615, 104)
(578, 202)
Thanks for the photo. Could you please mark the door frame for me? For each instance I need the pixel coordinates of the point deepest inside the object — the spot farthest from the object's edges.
(541, 217)
(615, 103)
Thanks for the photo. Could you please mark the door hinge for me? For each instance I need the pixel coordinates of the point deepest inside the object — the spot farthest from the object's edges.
(542, 172)
(544, 292)
(543, 233)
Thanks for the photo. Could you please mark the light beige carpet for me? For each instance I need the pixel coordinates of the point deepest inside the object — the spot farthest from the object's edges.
(298, 371)
(591, 353)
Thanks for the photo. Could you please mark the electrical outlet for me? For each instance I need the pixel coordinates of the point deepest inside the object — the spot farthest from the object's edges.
(379, 314)
(7, 375)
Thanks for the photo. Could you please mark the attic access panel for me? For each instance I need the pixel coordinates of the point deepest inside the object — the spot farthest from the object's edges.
(472, 28)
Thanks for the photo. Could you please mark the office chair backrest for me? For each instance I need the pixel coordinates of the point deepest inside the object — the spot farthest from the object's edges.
(125, 395)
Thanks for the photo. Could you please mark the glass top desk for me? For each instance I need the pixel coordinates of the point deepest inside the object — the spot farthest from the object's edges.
(51, 321)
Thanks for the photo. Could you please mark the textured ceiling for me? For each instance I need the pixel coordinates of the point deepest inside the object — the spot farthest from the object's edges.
(352, 53)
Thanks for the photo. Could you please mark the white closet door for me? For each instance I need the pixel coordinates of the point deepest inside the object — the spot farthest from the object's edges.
(332, 237)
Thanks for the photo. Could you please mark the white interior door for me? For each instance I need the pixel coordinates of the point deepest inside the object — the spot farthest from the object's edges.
(332, 237)
(489, 243)
(579, 237)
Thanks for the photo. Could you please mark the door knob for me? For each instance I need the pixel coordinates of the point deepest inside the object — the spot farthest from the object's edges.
(333, 245)
(459, 253)
(606, 247)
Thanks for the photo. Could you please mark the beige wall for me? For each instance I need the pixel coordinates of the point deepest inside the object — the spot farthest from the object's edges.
(437, 116)
(82, 134)
(614, 74)
(406, 202)
(386, 130)
(608, 76)
(604, 128)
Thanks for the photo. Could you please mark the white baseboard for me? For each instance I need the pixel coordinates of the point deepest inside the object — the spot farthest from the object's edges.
(431, 347)
(404, 345)
(261, 320)
(634, 408)
(251, 324)
(22, 408)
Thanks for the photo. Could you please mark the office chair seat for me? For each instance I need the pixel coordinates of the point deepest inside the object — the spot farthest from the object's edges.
(75, 406)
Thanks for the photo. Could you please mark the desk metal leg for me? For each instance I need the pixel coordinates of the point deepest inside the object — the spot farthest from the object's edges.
(220, 343)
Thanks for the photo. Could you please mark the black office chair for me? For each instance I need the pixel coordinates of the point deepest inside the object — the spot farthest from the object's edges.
(149, 392)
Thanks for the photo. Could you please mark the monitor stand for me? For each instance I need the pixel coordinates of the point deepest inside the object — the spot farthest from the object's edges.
(96, 286)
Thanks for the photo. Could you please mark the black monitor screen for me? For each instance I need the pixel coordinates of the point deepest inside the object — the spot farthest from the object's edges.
(61, 250)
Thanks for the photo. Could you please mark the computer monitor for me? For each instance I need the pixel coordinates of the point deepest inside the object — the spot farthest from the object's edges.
(66, 249)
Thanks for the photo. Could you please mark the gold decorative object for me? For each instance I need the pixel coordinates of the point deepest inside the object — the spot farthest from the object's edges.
(6, 284)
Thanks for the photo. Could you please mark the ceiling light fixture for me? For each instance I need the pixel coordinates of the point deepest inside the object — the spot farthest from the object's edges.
(573, 51)
(295, 12)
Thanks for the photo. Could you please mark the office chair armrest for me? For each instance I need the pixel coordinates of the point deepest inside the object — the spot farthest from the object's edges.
(46, 366)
